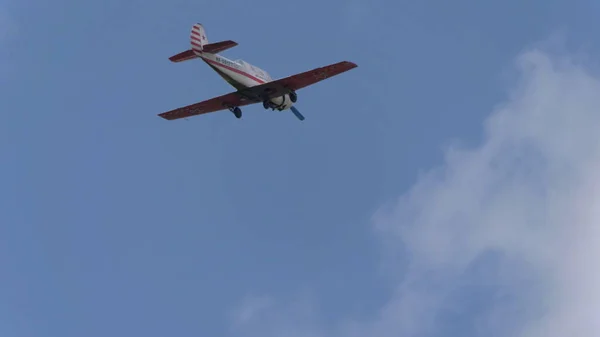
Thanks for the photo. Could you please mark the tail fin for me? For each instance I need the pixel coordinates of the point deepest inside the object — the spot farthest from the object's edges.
(200, 45)
(198, 38)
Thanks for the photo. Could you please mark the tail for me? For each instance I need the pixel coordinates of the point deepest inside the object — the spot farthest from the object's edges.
(198, 38)
(199, 43)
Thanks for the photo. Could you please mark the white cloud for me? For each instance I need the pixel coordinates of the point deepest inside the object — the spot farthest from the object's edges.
(529, 193)
(251, 308)
(525, 204)
(260, 316)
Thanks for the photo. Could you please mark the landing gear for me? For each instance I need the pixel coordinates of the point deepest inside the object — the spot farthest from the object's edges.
(236, 111)
(293, 97)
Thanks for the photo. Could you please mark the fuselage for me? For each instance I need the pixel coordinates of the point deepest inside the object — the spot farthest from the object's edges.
(240, 74)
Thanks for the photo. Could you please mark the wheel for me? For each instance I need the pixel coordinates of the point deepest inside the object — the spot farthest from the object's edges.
(293, 97)
(237, 112)
(266, 105)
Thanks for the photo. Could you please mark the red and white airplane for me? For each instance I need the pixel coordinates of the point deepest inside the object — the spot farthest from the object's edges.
(253, 84)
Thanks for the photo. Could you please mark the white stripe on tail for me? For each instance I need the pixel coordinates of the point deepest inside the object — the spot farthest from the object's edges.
(198, 38)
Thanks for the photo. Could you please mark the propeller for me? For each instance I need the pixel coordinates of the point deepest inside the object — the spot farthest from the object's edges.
(297, 113)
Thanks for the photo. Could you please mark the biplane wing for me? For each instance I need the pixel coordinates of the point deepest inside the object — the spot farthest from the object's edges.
(261, 92)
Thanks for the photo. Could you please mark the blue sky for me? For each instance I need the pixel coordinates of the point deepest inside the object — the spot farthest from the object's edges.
(117, 222)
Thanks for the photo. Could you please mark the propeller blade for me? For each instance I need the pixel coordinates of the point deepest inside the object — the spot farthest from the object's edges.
(297, 113)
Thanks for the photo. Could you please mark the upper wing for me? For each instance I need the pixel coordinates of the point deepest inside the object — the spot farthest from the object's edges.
(292, 83)
(214, 104)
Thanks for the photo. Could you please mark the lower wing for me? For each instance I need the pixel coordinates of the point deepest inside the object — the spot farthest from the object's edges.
(260, 93)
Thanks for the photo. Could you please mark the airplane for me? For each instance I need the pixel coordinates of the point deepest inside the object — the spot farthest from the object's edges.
(252, 84)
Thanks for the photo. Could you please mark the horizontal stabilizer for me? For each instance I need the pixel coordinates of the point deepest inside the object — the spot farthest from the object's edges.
(183, 56)
(218, 47)
(212, 48)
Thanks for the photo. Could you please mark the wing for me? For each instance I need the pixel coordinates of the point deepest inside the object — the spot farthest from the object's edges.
(311, 77)
(260, 92)
(233, 99)
(295, 82)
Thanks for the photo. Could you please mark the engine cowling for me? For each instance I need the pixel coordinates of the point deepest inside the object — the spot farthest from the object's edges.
(282, 102)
